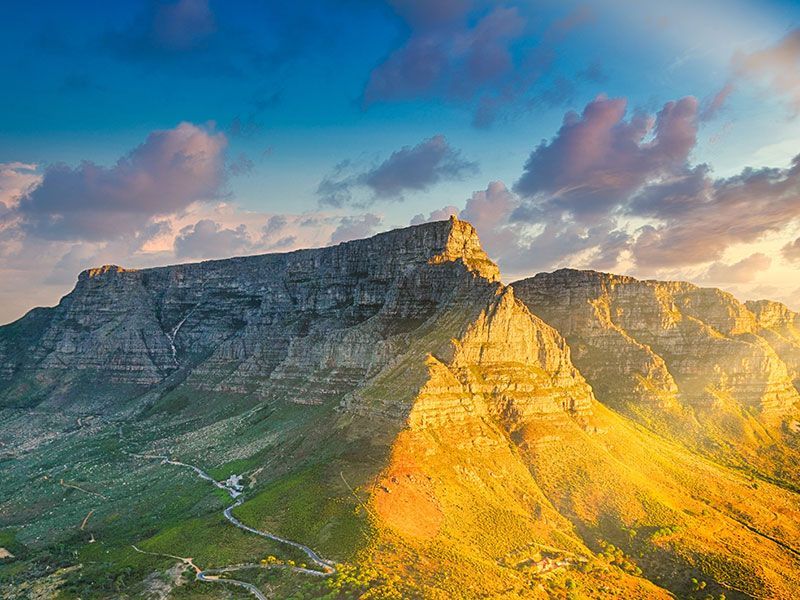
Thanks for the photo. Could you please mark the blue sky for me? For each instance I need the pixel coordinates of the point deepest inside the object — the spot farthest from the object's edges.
(402, 107)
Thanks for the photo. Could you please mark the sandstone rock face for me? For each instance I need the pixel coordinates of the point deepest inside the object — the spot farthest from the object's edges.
(651, 340)
(508, 367)
(320, 320)
(688, 361)
(781, 328)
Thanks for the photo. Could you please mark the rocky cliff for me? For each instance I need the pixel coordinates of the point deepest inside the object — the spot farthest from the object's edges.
(688, 361)
(254, 325)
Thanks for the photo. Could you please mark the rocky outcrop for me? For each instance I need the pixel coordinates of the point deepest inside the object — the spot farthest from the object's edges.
(507, 367)
(656, 341)
(781, 328)
(453, 443)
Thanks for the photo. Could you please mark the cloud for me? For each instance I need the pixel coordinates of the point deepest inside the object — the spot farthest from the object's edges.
(444, 55)
(470, 52)
(352, 228)
(409, 169)
(207, 239)
(791, 251)
(597, 158)
(417, 168)
(441, 214)
(165, 28)
(16, 178)
(429, 13)
(611, 191)
(743, 271)
(170, 170)
(522, 248)
(199, 38)
(698, 217)
(714, 105)
(44, 270)
(778, 66)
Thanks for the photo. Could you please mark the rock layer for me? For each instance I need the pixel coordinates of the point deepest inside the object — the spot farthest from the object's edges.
(688, 361)
(256, 325)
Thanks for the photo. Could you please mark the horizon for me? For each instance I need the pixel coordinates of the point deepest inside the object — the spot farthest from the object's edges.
(657, 141)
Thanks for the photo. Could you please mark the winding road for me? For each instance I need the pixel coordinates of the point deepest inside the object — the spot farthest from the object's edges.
(327, 567)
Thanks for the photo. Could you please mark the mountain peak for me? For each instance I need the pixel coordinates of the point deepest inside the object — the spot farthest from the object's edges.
(463, 243)
(100, 271)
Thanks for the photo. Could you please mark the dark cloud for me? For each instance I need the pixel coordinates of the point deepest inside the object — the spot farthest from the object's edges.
(208, 239)
(597, 159)
(479, 53)
(170, 170)
(417, 168)
(409, 169)
(335, 189)
(353, 228)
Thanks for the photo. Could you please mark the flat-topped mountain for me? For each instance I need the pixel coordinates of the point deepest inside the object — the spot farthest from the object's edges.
(229, 324)
(391, 404)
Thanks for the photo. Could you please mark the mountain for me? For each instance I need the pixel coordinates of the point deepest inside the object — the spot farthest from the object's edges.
(391, 404)
(691, 363)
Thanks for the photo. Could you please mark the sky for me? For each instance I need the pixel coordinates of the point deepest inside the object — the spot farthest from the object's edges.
(656, 139)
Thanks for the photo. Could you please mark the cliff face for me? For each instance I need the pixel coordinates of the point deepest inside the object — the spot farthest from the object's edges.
(243, 325)
(781, 328)
(689, 361)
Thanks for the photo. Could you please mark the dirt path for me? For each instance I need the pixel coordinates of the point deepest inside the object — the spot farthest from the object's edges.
(326, 567)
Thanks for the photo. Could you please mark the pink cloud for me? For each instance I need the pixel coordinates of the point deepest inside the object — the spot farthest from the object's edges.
(169, 171)
(743, 271)
(597, 159)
